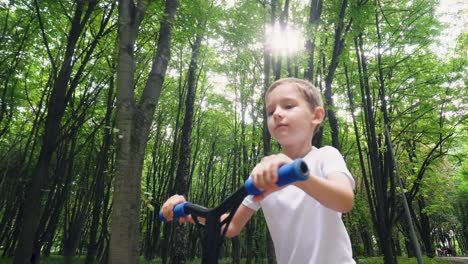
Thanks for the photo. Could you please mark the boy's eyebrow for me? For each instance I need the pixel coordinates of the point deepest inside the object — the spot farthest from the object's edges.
(284, 99)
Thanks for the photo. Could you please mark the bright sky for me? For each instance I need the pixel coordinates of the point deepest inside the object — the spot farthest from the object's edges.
(451, 12)
(454, 14)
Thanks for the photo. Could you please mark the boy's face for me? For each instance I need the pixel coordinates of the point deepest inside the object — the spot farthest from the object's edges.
(291, 120)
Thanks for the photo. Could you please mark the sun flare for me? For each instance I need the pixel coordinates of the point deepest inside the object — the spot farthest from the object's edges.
(285, 41)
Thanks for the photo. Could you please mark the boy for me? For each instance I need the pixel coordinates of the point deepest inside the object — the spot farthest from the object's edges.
(304, 218)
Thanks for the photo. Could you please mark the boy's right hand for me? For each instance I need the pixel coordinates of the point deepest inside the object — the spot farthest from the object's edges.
(265, 174)
(167, 208)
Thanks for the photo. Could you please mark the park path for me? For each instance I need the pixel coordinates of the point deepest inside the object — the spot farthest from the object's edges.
(455, 259)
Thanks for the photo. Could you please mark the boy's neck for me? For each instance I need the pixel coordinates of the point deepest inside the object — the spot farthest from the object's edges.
(296, 152)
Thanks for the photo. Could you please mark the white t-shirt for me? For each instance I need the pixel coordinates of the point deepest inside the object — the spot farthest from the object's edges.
(302, 229)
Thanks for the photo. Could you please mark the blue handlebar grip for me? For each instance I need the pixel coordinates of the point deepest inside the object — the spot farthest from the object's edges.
(179, 211)
(288, 173)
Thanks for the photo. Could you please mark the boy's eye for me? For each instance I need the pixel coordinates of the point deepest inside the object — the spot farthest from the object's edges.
(289, 106)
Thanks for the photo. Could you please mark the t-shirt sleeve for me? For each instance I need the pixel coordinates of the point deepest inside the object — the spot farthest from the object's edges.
(332, 161)
(250, 203)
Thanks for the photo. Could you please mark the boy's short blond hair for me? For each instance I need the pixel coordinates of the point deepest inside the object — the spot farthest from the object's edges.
(311, 94)
(308, 90)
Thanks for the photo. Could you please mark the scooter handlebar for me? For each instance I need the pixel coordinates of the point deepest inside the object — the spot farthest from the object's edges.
(287, 174)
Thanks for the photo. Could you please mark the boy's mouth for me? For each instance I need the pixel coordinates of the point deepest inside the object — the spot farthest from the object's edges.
(280, 126)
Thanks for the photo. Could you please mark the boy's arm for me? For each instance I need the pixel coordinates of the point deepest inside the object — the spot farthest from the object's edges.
(240, 218)
(334, 192)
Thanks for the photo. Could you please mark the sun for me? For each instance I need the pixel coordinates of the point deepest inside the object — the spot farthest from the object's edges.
(284, 42)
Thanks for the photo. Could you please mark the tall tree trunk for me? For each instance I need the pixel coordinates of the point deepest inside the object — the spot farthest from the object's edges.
(133, 122)
(338, 46)
(248, 160)
(167, 229)
(314, 16)
(55, 111)
(156, 182)
(101, 168)
(276, 65)
(179, 255)
(381, 220)
(238, 149)
(103, 241)
(365, 236)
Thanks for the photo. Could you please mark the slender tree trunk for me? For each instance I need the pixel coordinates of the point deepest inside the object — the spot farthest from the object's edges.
(55, 201)
(314, 16)
(250, 159)
(365, 236)
(8, 234)
(266, 134)
(179, 255)
(156, 185)
(167, 229)
(339, 44)
(103, 241)
(382, 219)
(101, 168)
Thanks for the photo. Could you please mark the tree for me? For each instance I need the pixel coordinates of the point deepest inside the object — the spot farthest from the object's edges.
(181, 180)
(60, 95)
(133, 121)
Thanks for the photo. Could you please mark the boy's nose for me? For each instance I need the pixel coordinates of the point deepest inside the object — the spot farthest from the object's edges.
(278, 114)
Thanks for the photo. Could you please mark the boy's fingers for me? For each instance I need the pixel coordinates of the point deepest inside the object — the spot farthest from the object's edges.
(186, 219)
(258, 176)
(265, 173)
(168, 206)
(166, 210)
(273, 173)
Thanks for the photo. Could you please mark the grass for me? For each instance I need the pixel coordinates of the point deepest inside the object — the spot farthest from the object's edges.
(373, 260)
(401, 260)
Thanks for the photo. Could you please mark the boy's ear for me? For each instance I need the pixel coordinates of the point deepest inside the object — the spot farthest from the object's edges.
(318, 115)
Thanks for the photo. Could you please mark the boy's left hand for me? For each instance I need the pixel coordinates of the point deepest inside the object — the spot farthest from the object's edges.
(265, 174)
